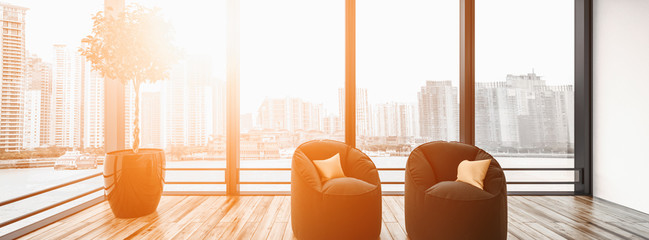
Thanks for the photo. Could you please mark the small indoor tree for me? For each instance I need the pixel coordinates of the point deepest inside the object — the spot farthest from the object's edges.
(136, 47)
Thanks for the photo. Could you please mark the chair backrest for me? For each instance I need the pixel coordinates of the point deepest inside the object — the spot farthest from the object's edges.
(323, 149)
(444, 157)
(354, 162)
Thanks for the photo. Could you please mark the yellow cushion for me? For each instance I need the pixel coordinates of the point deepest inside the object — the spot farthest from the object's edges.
(473, 172)
(329, 168)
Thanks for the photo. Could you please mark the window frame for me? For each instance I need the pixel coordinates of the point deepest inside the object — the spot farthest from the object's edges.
(583, 92)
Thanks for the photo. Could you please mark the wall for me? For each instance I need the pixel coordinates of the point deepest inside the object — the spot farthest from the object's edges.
(621, 102)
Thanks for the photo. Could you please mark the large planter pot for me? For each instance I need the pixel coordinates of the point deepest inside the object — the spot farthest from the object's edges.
(134, 181)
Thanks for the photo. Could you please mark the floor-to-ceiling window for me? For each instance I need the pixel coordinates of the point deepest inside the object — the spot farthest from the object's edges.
(292, 73)
(407, 76)
(525, 90)
(51, 111)
(185, 113)
(292, 89)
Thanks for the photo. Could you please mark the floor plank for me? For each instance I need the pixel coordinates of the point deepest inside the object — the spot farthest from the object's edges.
(269, 217)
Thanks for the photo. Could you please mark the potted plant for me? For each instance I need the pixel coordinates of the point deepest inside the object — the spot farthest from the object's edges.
(133, 47)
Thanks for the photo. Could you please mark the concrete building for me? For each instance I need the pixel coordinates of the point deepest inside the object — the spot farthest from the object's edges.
(495, 118)
(151, 120)
(394, 119)
(189, 103)
(524, 113)
(290, 114)
(129, 115)
(363, 111)
(45, 72)
(37, 91)
(332, 125)
(93, 107)
(12, 71)
(439, 111)
(219, 110)
(31, 118)
(67, 99)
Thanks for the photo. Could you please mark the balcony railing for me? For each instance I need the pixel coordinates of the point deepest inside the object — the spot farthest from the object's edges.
(56, 217)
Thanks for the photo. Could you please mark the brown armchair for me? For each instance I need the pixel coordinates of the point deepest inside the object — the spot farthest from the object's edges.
(437, 207)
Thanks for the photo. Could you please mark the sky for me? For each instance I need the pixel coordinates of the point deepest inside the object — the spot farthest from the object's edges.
(295, 48)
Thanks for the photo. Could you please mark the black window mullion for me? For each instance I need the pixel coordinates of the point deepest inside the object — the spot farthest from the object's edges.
(583, 96)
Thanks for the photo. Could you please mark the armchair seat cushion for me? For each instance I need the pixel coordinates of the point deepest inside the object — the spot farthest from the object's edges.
(347, 186)
(460, 191)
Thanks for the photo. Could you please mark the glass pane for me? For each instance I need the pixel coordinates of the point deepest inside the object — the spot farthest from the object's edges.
(292, 65)
(185, 114)
(49, 113)
(524, 88)
(407, 79)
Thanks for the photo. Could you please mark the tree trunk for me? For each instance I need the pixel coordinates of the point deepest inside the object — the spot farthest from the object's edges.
(136, 121)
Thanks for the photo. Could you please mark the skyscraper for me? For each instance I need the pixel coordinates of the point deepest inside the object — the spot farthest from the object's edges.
(199, 99)
(93, 107)
(394, 120)
(174, 107)
(129, 115)
(151, 114)
(189, 103)
(13, 68)
(37, 89)
(495, 118)
(290, 114)
(332, 125)
(219, 110)
(67, 97)
(523, 112)
(363, 114)
(439, 111)
(45, 72)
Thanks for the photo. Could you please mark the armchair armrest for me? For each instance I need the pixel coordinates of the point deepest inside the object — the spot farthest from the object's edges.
(494, 181)
(358, 165)
(304, 169)
(419, 170)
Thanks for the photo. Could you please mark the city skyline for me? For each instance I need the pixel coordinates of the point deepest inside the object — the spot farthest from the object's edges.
(75, 94)
(426, 56)
(433, 116)
(388, 119)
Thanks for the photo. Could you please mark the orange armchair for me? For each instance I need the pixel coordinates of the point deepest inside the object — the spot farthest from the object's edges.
(341, 208)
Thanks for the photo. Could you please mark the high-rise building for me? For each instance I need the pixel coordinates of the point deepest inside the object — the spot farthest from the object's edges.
(174, 107)
(45, 72)
(363, 114)
(31, 109)
(290, 114)
(524, 113)
(219, 110)
(394, 119)
(495, 118)
(37, 89)
(151, 119)
(439, 111)
(199, 99)
(67, 99)
(332, 125)
(93, 107)
(189, 103)
(129, 115)
(12, 71)
(31, 118)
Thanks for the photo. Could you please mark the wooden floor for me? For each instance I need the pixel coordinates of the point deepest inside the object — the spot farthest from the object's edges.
(268, 217)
